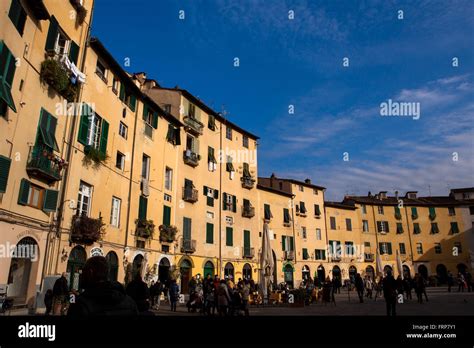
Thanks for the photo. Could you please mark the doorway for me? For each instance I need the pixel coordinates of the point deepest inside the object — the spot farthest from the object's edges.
(164, 270)
(247, 271)
(229, 271)
(442, 273)
(208, 269)
(321, 274)
(75, 263)
(112, 263)
(423, 271)
(288, 272)
(185, 271)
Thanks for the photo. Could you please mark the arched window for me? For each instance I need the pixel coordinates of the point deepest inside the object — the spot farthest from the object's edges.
(112, 262)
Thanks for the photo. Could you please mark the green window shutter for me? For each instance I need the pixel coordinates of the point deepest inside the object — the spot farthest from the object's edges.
(432, 213)
(145, 111)
(224, 200)
(50, 201)
(7, 72)
(305, 254)
(399, 227)
(18, 16)
(122, 91)
(292, 243)
(398, 214)
(84, 124)
(73, 52)
(246, 239)
(133, 102)
(454, 227)
(210, 201)
(414, 213)
(186, 228)
(267, 211)
(5, 164)
(286, 215)
(229, 238)
(155, 120)
(142, 207)
(177, 136)
(24, 192)
(103, 137)
(234, 204)
(209, 233)
(166, 215)
(389, 248)
(283, 242)
(205, 190)
(52, 34)
(170, 134)
(316, 210)
(216, 194)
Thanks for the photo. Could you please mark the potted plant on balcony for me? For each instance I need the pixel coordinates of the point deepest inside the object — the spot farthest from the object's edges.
(86, 230)
(93, 156)
(145, 228)
(81, 11)
(54, 75)
(167, 233)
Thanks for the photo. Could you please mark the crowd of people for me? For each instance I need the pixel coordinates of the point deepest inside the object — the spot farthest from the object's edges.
(223, 297)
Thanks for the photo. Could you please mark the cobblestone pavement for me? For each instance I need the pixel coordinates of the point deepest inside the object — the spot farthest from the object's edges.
(441, 302)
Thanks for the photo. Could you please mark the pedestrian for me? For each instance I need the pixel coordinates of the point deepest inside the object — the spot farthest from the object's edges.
(407, 287)
(419, 285)
(138, 290)
(60, 293)
(450, 281)
(400, 288)
(369, 287)
(101, 297)
(389, 285)
(173, 294)
(192, 285)
(245, 292)
(328, 292)
(461, 282)
(425, 283)
(359, 285)
(223, 298)
(48, 301)
(155, 293)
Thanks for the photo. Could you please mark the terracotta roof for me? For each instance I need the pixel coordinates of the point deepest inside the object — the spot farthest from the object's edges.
(340, 205)
(274, 190)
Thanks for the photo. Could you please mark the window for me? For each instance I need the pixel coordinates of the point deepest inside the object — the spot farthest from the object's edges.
(123, 130)
(211, 159)
(399, 228)
(315, 192)
(115, 85)
(432, 213)
(167, 108)
(59, 44)
(93, 130)
(458, 247)
(229, 220)
(168, 178)
(382, 227)
(84, 199)
(451, 211)
(166, 215)
(187, 229)
(145, 167)
(454, 228)
(318, 234)
(167, 197)
(35, 196)
(303, 232)
(302, 208)
(209, 233)
(210, 215)
(317, 211)
(365, 226)
(127, 97)
(364, 209)
(245, 141)
(229, 166)
(434, 228)
(287, 243)
(335, 248)
(18, 16)
(401, 247)
(115, 212)
(398, 214)
(5, 164)
(380, 209)
(211, 123)
(320, 254)
(267, 212)
(7, 72)
(120, 161)
(301, 188)
(211, 194)
(101, 71)
(437, 248)
(229, 236)
(228, 133)
(349, 247)
(385, 248)
(229, 202)
(305, 254)
(173, 135)
(416, 228)
(142, 207)
(332, 220)
(414, 213)
(150, 117)
(419, 248)
(348, 224)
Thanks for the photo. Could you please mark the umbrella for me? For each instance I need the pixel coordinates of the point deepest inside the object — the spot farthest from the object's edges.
(399, 265)
(266, 261)
(378, 262)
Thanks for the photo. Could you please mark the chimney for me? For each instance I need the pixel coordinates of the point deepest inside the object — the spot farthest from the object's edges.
(369, 194)
(308, 181)
(411, 194)
(396, 195)
(383, 194)
(271, 179)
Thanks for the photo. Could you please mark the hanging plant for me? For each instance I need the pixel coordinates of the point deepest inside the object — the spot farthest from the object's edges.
(93, 156)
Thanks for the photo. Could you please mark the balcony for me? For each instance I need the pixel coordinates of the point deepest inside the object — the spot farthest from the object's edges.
(289, 255)
(248, 252)
(247, 182)
(191, 158)
(190, 195)
(192, 125)
(335, 257)
(248, 212)
(368, 257)
(188, 245)
(145, 228)
(56, 71)
(44, 165)
(86, 230)
(287, 223)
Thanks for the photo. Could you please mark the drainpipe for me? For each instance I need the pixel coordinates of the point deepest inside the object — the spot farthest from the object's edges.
(326, 229)
(220, 202)
(293, 226)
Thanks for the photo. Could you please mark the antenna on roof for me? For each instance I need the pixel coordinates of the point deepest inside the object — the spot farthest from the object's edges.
(429, 189)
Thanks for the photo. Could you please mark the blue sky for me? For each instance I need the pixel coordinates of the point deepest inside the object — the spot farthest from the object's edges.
(300, 62)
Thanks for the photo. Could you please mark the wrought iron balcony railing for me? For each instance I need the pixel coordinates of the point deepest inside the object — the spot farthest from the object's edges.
(190, 195)
(248, 252)
(289, 255)
(247, 182)
(188, 245)
(44, 164)
(191, 158)
(248, 212)
(193, 125)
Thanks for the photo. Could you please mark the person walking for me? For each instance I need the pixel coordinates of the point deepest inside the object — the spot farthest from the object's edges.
(60, 293)
(245, 292)
(400, 287)
(389, 285)
(101, 297)
(173, 294)
(450, 281)
(419, 285)
(359, 285)
(369, 287)
(223, 298)
(138, 290)
(48, 301)
(407, 287)
(461, 282)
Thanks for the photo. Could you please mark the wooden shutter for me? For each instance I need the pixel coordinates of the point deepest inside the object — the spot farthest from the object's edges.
(166, 215)
(103, 137)
(84, 124)
(142, 207)
(209, 233)
(73, 52)
(145, 111)
(50, 201)
(224, 201)
(5, 164)
(229, 238)
(154, 123)
(234, 204)
(216, 194)
(122, 92)
(283, 243)
(24, 192)
(177, 136)
(246, 239)
(52, 34)
(292, 243)
(133, 102)
(389, 248)
(186, 228)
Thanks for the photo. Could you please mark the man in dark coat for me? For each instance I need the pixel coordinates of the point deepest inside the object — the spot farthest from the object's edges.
(101, 297)
(359, 284)
(138, 290)
(390, 293)
(60, 292)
